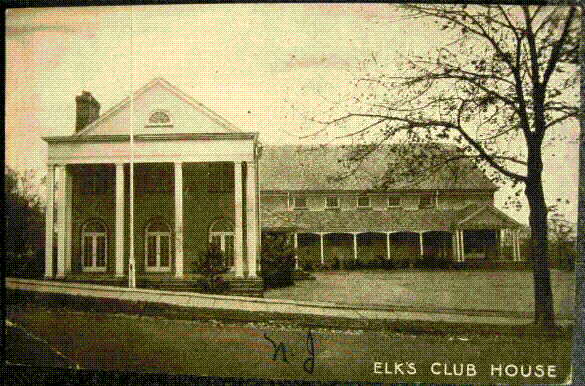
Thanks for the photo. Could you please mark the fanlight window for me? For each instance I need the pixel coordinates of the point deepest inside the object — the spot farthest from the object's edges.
(158, 247)
(159, 118)
(93, 247)
(221, 234)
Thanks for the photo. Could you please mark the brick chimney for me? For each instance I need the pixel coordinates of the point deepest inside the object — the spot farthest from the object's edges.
(88, 110)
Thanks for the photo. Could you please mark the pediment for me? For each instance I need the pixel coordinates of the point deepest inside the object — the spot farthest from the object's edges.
(488, 217)
(159, 108)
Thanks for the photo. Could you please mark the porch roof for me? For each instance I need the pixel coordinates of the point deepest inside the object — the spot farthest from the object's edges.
(389, 220)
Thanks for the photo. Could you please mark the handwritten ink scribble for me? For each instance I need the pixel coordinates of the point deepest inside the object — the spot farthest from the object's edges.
(308, 364)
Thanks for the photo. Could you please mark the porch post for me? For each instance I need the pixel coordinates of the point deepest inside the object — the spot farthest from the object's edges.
(61, 222)
(238, 232)
(420, 239)
(322, 254)
(178, 220)
(388, 245)
(119, 220)
(355, 246)
(68, 218)
(296, 238)
(455, 244)
(49, 222)
(462, 246)
(518, 245)
(251, 218)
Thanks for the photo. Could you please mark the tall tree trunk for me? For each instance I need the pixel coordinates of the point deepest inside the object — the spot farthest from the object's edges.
(543, 301)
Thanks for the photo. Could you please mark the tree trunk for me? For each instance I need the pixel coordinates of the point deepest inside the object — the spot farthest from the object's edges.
(543, 301)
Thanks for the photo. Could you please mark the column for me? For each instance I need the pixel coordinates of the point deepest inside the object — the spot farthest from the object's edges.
(68, 218)
(238, 231)
(514, 249)
(518, 245)
(61, 221)
(296, 238)
(462, 246)
(251, 218)
(49, 222)
(388, 245)
(178, 220)
(355, 246)
(455, 245)
(119, 230)
(322, 254)
(420, 241)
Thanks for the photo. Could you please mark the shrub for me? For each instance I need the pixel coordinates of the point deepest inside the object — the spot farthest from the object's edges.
(307, 266)
(29, 265)
(211, 264)
(278, 260)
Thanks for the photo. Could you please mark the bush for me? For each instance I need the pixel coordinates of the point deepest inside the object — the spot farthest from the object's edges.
(307, 266)
(277, 260)
(30, 265)
(211, 264)
(336, 264)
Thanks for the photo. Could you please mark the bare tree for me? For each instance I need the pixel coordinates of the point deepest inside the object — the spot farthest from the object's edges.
(502, 87)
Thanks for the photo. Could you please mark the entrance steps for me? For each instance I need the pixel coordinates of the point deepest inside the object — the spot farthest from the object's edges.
(252, 287)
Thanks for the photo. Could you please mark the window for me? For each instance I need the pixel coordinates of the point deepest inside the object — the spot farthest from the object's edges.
(299, 202)
(157, 247)
(93, 247)
(220, 177)
(426, 201)
(363, 202)
(221, 234)
(159, 118)
(332, 202)
(393, 201)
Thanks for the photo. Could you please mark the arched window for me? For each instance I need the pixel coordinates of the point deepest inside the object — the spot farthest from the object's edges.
(93, 246)
(221, 234)
(157, 247)
(159, 118)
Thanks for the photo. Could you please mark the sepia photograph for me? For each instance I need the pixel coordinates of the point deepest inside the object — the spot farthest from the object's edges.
(344, 192)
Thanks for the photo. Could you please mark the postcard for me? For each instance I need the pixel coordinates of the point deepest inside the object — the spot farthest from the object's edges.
(322, 192)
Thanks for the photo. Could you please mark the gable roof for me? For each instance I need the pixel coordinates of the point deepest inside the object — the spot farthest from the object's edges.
(209, 115)
(290, 168)
(483, 216)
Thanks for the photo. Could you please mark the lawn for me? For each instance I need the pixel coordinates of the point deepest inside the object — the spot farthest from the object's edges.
(510, 291)
(101, 341)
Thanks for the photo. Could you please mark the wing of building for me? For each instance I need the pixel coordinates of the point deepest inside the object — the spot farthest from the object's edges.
(198, 179)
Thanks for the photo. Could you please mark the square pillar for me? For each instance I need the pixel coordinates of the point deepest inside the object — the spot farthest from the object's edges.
(355, 247)
(296, 238)
(252, 218)
(462, 246)
(68, 218)
(455, 245)
(322, 249)
(388, 246)
(238, 220)
(119, 230)
(49, 222)
(61, 197)
(179, 220)
(420, 240)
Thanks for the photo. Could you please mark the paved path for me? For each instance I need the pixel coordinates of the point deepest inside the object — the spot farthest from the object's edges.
(276, 306)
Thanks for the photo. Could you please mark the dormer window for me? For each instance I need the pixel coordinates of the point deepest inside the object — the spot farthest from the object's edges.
(426, 201)
(159, 118)
(299, 202)
(332, 202)
(394, 201)
(363, 202)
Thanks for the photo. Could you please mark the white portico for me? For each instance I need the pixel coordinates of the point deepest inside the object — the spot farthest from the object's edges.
(192, 170)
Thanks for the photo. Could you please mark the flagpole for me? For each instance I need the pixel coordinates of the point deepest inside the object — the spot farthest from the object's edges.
(132, 262)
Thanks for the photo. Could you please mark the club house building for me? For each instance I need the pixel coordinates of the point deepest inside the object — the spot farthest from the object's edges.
(198, 179)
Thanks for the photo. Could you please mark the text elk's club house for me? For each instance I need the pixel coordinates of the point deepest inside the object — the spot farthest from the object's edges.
(199, 179)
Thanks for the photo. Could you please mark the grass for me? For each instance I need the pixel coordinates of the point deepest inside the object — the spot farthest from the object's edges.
(505, 291)
(119, 342)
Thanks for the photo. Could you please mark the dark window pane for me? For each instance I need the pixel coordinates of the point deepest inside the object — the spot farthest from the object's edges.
(363, 201)
(393, 200)
(87, 251)
(101, 252)
(300, 202)
(332, 202)
(229, 250)
(164, 251)
(151, 260)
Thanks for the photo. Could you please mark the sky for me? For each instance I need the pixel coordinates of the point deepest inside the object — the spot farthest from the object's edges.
(261, 66)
